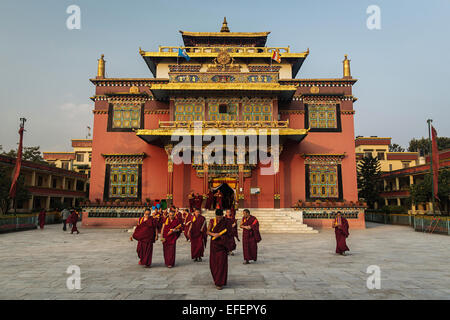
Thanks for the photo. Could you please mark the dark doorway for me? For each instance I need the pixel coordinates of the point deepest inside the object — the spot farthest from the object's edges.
(228, 196)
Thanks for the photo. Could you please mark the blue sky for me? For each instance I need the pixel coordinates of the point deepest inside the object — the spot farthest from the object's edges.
(403, 70)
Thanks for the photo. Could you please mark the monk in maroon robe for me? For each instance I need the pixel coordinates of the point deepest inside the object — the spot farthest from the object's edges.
(340, 226)
(187, 220)
(232, 221)
(171, 230)
(250, 236)
(191, 198)
(209, 200)
(73, 219)
(198, 236)
(146, 234)
(219, 230)
(219, 199)
(41, 219)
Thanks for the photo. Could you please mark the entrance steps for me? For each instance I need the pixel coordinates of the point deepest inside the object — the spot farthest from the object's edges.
(272, 220)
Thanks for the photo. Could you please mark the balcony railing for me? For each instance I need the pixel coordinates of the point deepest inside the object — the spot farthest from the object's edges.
(225, 124)
(248, 50)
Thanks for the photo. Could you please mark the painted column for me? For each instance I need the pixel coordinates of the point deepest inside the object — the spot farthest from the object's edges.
(168, 149)
(397, 183)
(205, 180)
(241, 186)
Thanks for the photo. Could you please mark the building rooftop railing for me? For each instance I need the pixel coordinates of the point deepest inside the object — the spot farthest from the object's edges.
(249, 50)
(225, 124)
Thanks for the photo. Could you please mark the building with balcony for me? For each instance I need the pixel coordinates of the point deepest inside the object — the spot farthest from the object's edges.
(279, 140)
(379, 147)
(78, 160)
(395, 184)
(49, 186)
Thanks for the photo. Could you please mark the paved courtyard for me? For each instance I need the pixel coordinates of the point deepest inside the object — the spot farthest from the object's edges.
(413, 265)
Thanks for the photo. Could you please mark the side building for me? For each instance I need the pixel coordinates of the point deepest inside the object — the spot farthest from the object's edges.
(50, 187)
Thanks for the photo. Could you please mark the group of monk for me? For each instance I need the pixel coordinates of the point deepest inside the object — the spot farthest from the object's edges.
(223, 231)
(214, 200)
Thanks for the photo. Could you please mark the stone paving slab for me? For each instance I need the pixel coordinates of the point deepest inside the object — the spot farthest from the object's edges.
(413, 265)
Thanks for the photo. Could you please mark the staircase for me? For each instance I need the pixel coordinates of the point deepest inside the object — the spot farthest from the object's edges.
(273, 220)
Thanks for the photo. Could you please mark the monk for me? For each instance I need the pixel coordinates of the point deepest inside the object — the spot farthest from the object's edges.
(197, 234)
(41, 219)
(73, 219)
(209, 200)
(250, 236)
(171, 230)
(146, 234)
(219, 230)
(340, 226)
(233, 223)
(219, 199)
(187, 220)
(191, 198)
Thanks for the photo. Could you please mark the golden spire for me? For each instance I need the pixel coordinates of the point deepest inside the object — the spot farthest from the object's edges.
(224, 25)
(346, 63)
(101, 67)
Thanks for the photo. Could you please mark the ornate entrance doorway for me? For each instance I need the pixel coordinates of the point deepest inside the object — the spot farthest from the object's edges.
(227, 186)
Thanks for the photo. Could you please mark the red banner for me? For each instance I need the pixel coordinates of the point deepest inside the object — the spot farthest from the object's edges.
(435, 155)
(16, 172)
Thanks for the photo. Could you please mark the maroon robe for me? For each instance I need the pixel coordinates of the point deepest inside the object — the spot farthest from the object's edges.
(219, 199)
(145, 233)
(218, 256)
(341, 233)
(73, 219)
(233, 232)
(198, 236)
(209, 200)
(169, 246)
(198, 202)
(41, 219)
(250, 238)
(191, 202)
(187, 221)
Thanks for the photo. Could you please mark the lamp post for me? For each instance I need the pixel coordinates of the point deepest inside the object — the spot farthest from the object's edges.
(429, 121)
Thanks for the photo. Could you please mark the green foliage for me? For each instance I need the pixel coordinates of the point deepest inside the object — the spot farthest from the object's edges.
(22, 193)
(396, 148)
(424, 144)
(369, 171)
(29, 154)
(421, 192)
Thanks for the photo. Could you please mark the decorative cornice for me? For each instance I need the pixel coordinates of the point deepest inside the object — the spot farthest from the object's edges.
(124, 158)
(156, 111)
(323, 158)
(323, 97)
(122, 97)
(100, 111)
(339, 82)
(127, 82)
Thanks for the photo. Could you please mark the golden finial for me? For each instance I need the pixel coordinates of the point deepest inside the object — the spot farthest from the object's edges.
(101, 67)
(224, 25)
(346, 63)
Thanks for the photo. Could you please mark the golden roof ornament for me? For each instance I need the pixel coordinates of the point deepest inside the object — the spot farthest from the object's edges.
(224, 25)
(101, 67)
(346, 66)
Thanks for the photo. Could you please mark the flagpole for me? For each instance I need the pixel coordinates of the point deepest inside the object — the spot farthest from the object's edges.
(429, 121)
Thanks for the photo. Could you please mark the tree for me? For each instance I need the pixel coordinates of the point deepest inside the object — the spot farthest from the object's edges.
(29, 153)
(369, 171)
(22, 193)
(421, 192)
(423, 144)
(396, 148)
